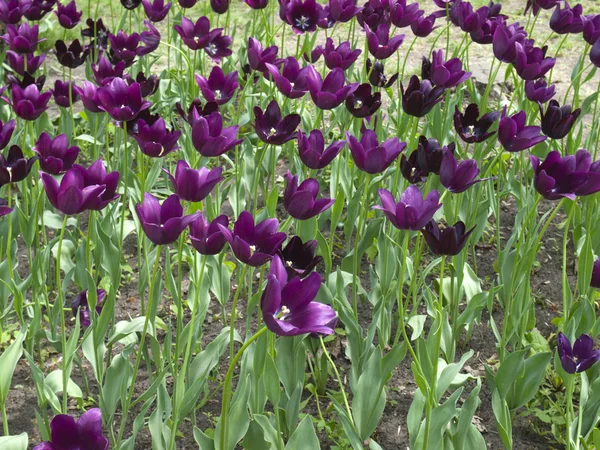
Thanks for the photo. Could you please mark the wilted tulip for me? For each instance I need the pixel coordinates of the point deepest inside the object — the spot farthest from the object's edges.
(447, 74)
(67, 434)
(531, 62)
(299, 258)
(380, 45)
(341, 56)
(80, 304)
(412, 212)
(420, 97)
(312, 150)
(194, 185)
(331, 92)
(580, 357)
(457, 176)
(64, 95)
(558, 120)
(218, 88)
(72, 56)
(377, 77)
(6, 132)
(89, 96)
(291, 82)
(28, 103)
(258, 58)
(22, 40)
(538, 91)
(301, 201)
(447, 241)
(156, 10)
(15, 167)
(120, 101)
(362, 102)
(210, 138)
(155, 140)
(68, 16)
(17, 62)
(470, 127)
(303, 15)
(55, 155)
(207, 238)
(371, 157)
(567, 20)
(271, 128)
(514, 135)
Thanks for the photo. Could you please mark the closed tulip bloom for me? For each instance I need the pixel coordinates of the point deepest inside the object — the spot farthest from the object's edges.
(15, 167)
(105, 72)
(196, 36)
(218, 88)
(11, 11)
(4, 209)
(55, 155)
(254, 244)
(413, 211)
(341, 56)
(299, 258)
(462, 15)
(430, 154)
(558, 120)
(22, 39)
(194, 185)
(538, 91)
(67, 434)
(258, 58)
(301, 201)
(196, 105)
(148, 86)
(36, 10)
(423, 25)
(130, 5)
(291, 81)
(28, 103)
(88, 92)
(120, 101)
(374, 13)
(595, 53)
(403, 14)
(447, 74)
(72, 56)
(514, 135)
(567, 20)
(371, 157)
(331, 92)
(124, 47)
(485, 35)
(420, 97)
(457, 176)
(362, 102)
(68, 16)
(448, 241)
(505, 39)
(27, 80)
(595, 281)
(591, 28)
(470, 127)
(379, 42)
(583, 162)
(377, 76)
(156, 10)
(531, 63)
(210, 138)
(163, 224)
(155, 140)
(257, 4)
(312, 150)
(207, 238)
(6, 132)
(64, 95)
(80, 305)
(303, 15)
(580, 357)
(540, 4)
(17, 62)
(271, 128)
(187, 3)
(342, 10)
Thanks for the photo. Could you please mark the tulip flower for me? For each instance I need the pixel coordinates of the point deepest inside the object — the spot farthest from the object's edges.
(341, 11)
(595, 53)
(558, 120)
(374, 13)
(271, 128)
(219, 6)
(187, 3)
(506, 37)
(426, 159)
(403, 14)
(154, 140)
(538, 91)
(423, 25)
(89, 96)
(447, 241)
(567, 20)
(371, 157)
(163, 224)
(420, 97)
(289, 309)
(156, 10)
(68, 16)
(28, 103)
(219, 47)
(196, 105)
(514, 135)
(124, 47)
(98, 34)
(67, 434)
(104, 72)
(55, 155)
(457, 176)
(210, 138)
(27, 80)
(470, 127)
(150, 38)
(72, 56)
(485, 35)
(194, 185)
(531, 63)
(380, 45)
(148, 86)
(130, 5)
(291, 82)
(303, 15)
(6, 132)
(258, 58)
(447, 74)
(120, 101)
(362, 102)
(540, 4)
(15, 167)
(299, 258)
(413, 211)
(22, 40)
(196, 36)
(409, 167)
(80, 303)
(377, 77)
(218, 88)
(591, 28)
(462, 15)
(257, 4)
(341, 56)
(580, 357)
(595, 281)
(17, 62)
(36, 10)
(64, 95)
(312, 150)
(331, 92)
(11, 11)
(301, 201)
(4, 209)
(253, 244)
(207, 238)
(315, 54)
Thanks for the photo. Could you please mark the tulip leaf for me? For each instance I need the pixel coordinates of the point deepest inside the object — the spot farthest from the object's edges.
(8, 362)
(54, 381)
(303, 437)
(18, 442)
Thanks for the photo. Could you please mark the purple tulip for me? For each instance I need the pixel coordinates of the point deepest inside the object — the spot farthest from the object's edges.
(462, 15)
(558, 120)
(55, 155)
(207, 238)
(163, 223)
(362, 102)
(331, 92)
(148, 86)
(409, 167)
(538, 91)
(299, 258)
(86, 433)
(312, 150)
(470, 127)
(150, 38)
(28, 103)
(68, 16)
(420, 97)
(11, 11)
(6, 132)
(15, 167)
(447, 74)
(22, 40)
(423, 25)
(157, 10)
(258, 58)
(155, 140)
(291, 82)
(595, 280)
(253, 244)
(540, 4)
(64, 95)
(579, 358)
(505, 39)
(343, 56)
(4, 209)
(591, 28)
(210, 138)
(448, 241)
(120, 101)
(104, 72)
(567, 20)
(257, 4)
(89, 96)
(341, 11)
(595, 53)
(218, 88)
(531, 62)
(379, 42)
(124, 47)
(98, 34)
(374, 13)
(72, 56)
(197, 36)
(17, 62)
(271, 128)
(130, 5)
(80, 303)
(36, 10)
(457, 176)
(301, 201)
(315, 54)
(485, 35)
(187, 3)
(514, 135)
(194, 185)
(196, 105)
(377, 76)
(27, 80)
(219, 6)
(303, 15)
(426, 159)
(371, 157)
(219, 48)
(412, 212)
(403, 14)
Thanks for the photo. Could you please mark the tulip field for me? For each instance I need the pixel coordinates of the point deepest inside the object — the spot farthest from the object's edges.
(299, 224)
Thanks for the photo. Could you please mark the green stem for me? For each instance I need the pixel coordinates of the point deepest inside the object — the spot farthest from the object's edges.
(125, 174)
(569, 415)
(339, 379)
(59, 297)
(4, 419)
(579, 416)
(236, 297)
(565, 280)
(401, 311)
(362, 218)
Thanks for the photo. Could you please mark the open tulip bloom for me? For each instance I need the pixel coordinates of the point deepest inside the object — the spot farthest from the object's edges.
(15, 167)
(68, 434)
(271, 127)
(120, 101)
(369, 155)
(301, 201)
(514, 135)
(578, 358)
(194, 185)
(312, 149)
(413, 211)
(447, 241)
(299, 257)
(331, 92)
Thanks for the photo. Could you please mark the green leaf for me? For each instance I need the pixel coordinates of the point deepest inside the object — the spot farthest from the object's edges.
(19, 442)
(303, 437)
(526, 386)
(54, 381)
(271, 380)
(8, 362)
(269, 431)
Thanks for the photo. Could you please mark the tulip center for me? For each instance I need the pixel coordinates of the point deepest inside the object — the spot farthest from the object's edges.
(358, 104)
(9, 170)
(218, 94)
(211, 49)
(471, 129)
(252, 249)
(284, 311)
(303, 23)
(272, 132)
(289, 263)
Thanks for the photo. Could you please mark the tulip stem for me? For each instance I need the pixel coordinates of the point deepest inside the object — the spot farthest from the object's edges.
(4, 419)
(236, 297)
(65, 374)
(339, 379)
(361, 219)
(579, 413)
(125, 185)
(412, 44)
(227, 385)
(565, 281)
(560, 46)
(569, 412)
(71, 102)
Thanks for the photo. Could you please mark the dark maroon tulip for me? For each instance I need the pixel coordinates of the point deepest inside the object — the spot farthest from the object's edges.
(470, 127)
(505, 39)
(155, 140)
(379, 42)
(55, 155)
(271, 128)
(28, 103)
(133, 125)
(148, 86)
(409, 167)
(343, 56)
(567, 20)
(88, 93)
(194, 185)
(405, 15)
(104, 72)
(187, 3)
(299, 258)
(68, 16)
(98, 34)
(331, 92)
(80, 304)
(540, 4)
(595, 281)
(423, 25)
(377, 77)
(196, 105)
(374, 13)
(591, 28)
(72, 56)
(303, 15)
(447, 74)
(27, 80)
(301, 201)
(531, 63)
(289, 307)
(210, 138)
(595, 53)
(22, 40)
(558, 120)
(420, 97)
(156, 10)
(4, 209)
(312, 150)
(17, 62)
(207, 238)
(11, 11)
(426, 159)
(218, 88)
(124, 47)
(253, 244)
(579, 358)
(315, 54)
(462, 15)
(413, 211)
(538, 91)
(362, 102)
(258, 58)
(514, 135)
(457, 176)
(6, 132)
(86, 433)
(219, 6)
(150, 38)
(341, 11)
(257, 4)
(15, 167)
(64, 95)
(372, 157)
(130, 5)
(120, 101)
(36, 10)
(197, 36)
(448, 241)
(291, 82)
(163, 224)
